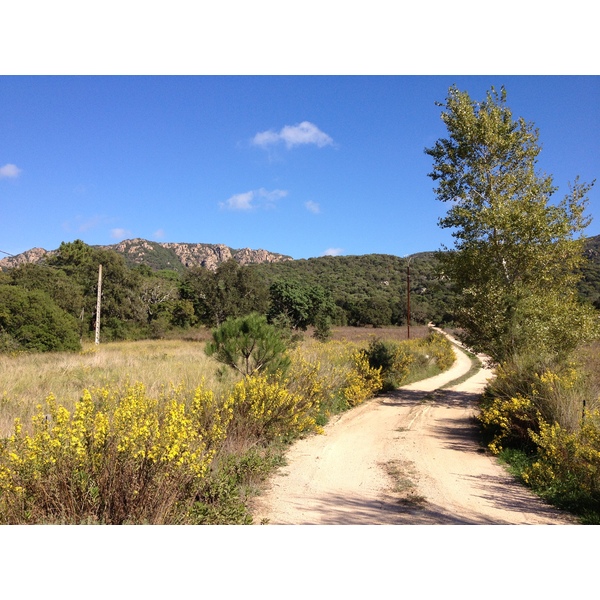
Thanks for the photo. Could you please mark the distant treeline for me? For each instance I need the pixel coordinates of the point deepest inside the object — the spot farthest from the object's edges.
(52, 305)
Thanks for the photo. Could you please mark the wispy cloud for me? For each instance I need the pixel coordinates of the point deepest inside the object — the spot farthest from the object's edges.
(293, 135)
(9, 171)
(333, 252)
(159, 234)
(91, 223)
(253, 199)
(312, 207)
(81, 224)
(119, 233)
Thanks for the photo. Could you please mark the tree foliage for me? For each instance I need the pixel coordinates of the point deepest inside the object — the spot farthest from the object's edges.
(299, 305)
(249, 345)
(55, 282)
(230, 291)
(356, 283)
(31, 320)
(121, 307)
(517, 254)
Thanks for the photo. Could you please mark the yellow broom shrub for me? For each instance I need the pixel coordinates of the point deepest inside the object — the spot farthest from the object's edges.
(264, 408)
(119, 457)
(362, 381)
(568, 462)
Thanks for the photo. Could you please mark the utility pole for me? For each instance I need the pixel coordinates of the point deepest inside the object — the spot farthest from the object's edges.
(98, 301)
(408, 299)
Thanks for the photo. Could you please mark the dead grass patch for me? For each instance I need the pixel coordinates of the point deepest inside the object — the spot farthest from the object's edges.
(402, 474)
(366, 334)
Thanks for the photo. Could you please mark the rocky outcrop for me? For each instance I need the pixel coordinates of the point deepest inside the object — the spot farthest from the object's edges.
(159, 255)
(245, 256)
(35, 255)
(208, 256)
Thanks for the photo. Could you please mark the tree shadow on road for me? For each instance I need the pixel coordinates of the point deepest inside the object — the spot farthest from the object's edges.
(337, 509)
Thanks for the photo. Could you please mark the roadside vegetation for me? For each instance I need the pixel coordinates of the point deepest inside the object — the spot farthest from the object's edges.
(544, 423)
(172, 432)
(519, 267)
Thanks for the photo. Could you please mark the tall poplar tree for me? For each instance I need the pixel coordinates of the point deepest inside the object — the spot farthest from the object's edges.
(517, 253)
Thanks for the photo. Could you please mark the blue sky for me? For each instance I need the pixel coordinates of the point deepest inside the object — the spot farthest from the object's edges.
(301, 165)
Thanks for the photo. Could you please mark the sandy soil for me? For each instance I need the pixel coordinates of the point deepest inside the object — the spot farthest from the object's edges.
(408, 458)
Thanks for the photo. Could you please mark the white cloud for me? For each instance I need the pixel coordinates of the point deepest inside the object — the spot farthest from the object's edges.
(119, 233)
(312, 207)
(9, 171)
(333, 252)
(265, 138)
(159, 234)
(261, 198)
(268, 199)
(293, 135)
(239, 201)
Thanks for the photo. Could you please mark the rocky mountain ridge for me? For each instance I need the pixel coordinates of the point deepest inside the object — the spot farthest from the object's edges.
(164, 255)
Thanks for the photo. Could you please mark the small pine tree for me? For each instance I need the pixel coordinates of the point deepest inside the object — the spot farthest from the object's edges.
(249, 345)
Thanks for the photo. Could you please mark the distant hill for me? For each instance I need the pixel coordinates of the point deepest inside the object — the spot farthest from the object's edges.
(379, 279)
(373, 283)
(589, 286)
(158, 255)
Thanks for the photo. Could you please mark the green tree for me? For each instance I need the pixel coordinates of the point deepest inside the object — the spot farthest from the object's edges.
(300, 305)
(122, 309)
(249, 344)
(55, 282)
(511, 242)
(31, 320)
(230, 291)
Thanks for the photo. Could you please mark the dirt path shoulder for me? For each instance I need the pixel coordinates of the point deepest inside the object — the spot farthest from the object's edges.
(411, 457)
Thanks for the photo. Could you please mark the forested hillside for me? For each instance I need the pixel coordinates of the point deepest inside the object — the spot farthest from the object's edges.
(50, 304)
(371, 289)
(589, 286)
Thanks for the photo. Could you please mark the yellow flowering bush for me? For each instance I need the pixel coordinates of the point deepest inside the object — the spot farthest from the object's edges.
(508, 421)
(265, 409)
(558, 394)
(119, 457)
(556, 389)
(336, 372)
(439, 350)
(305, 377)
(568, 463)
(362, 381)
(416, 358)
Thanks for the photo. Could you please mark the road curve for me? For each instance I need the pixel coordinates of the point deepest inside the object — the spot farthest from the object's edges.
(411, 457)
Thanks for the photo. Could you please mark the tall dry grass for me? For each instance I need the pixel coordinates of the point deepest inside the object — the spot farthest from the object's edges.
(27, 379)
(366, 334)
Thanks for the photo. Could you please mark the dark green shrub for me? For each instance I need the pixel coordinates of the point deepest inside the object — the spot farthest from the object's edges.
(33, 321)
(393, 359)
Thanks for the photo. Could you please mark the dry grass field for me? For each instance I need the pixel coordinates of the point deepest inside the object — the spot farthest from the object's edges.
(26, 380)
(365, 334)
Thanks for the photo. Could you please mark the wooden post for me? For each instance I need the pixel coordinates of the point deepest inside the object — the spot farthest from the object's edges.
(98, 301)
(408, 300)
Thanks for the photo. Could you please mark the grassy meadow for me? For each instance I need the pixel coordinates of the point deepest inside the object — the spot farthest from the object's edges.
(27, 379)
(157, 432)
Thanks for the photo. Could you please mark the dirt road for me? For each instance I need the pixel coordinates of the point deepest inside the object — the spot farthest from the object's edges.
(408, 458)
